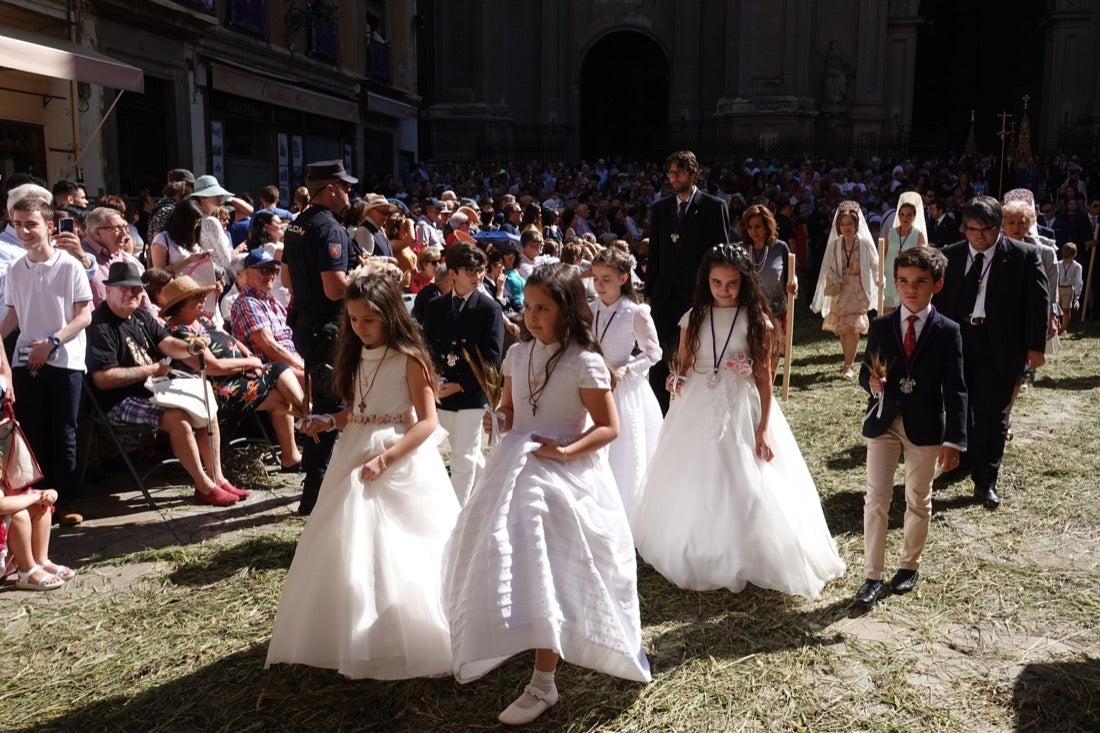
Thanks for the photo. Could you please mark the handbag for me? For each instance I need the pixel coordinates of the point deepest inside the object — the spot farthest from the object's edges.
(182, 391)
(18, 466)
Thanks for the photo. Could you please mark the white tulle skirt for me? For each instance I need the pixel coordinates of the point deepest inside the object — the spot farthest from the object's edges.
(363, 594)
(639, 425)
(713, 515)
(541, 558)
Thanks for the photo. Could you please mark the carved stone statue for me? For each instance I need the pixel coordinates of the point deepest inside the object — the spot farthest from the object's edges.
(837, 71)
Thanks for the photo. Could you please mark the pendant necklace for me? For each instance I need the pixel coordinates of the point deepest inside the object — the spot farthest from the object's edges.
(596, 326)
(712, 378)
(907, 384)
(534, 395)
(848, 253)
(370, 384)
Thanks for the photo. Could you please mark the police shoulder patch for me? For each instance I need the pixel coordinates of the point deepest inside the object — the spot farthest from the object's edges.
(334, 250)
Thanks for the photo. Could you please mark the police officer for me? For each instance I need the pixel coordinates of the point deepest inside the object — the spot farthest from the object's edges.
(316, 256)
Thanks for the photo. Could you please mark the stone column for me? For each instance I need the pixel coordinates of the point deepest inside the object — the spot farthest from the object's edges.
(868, 89)
(1071, 84)
(901, 63)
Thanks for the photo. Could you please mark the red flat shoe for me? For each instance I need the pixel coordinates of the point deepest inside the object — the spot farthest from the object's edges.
(231, 489)
(216, 497)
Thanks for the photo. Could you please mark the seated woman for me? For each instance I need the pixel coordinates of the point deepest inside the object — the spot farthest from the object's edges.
(242, 383)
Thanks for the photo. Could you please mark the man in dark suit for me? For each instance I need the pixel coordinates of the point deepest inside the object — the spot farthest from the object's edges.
(943, 227)
(466, 319)
(997, 290)
(922, 416)
(684, 226)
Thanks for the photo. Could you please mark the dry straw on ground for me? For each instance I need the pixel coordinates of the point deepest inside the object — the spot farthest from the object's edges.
(1001, 633)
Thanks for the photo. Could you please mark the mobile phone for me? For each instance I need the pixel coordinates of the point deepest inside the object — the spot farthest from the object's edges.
(66, 224)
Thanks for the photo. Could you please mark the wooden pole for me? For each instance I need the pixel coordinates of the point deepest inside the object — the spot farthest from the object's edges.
(789, 345)
(881, 273)
(1088, 279)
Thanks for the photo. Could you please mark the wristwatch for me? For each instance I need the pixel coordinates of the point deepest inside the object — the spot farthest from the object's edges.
(55, 342)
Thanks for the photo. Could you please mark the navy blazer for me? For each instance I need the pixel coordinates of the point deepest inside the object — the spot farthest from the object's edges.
(673, 266)
(478, 327)
(935, 412)
(1016, 300)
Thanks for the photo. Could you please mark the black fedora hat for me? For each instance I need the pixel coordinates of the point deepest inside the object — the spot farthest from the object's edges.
(124, 274)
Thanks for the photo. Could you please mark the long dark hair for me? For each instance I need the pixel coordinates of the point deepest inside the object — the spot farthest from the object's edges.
(257, 235)
(564, 287)
(400, 331)
(621, 263)
(750, 298)
(181, 226)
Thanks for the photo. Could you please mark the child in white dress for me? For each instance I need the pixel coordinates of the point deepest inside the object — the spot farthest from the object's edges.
(728, 499)
(620, 324)
(363, 593)
(541, 557)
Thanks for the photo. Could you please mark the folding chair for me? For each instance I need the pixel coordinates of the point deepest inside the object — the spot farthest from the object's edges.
(234, 434)
(117, 432)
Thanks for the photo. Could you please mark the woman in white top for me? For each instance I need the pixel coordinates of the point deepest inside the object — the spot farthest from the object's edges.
(189, 235)
(212, 235)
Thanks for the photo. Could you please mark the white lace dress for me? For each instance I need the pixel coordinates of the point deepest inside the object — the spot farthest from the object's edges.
(712, 514)
(619, 327)
(363, 593)
(541, 556)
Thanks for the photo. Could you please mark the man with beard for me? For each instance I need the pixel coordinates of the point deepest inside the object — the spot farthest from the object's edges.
(316, 263)
(685, 226)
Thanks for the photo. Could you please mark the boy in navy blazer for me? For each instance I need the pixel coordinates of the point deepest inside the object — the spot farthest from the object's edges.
(922, 415)
(466, 319)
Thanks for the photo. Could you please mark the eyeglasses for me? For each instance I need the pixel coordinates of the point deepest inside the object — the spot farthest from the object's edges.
(342, 185)
(130, 289)
(980, 230)
(268, 271)
(116, 228)
(433, 263)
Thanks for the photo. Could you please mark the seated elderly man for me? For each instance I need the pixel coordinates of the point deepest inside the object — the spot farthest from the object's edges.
(126, 346)
(257, 318)
(108, 240)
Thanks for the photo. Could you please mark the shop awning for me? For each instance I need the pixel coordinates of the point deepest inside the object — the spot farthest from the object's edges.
(62, 59)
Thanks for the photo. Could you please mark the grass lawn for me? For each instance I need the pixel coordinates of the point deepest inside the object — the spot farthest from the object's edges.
(1002, 632)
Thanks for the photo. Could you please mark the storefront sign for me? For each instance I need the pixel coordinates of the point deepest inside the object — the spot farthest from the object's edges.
(284, 95)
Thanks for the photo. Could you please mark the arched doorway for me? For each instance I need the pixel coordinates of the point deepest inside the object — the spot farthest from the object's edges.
(970, 57)
(624, 97)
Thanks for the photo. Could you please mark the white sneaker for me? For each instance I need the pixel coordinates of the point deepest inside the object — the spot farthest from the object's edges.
(528, 706)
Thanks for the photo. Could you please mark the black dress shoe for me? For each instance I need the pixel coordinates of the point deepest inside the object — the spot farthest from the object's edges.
(988, 496)
(869, 593)
(903, 581)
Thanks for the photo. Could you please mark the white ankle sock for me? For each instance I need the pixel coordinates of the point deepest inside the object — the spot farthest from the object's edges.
(543, 680)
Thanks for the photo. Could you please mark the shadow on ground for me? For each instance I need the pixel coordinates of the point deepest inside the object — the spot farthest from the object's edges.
(1058, 697)
(236, 693)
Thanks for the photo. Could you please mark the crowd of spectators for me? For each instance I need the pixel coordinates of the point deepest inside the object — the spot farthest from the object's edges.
(229, 248)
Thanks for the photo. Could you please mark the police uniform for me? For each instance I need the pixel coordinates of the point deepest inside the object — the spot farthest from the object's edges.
(315, 242)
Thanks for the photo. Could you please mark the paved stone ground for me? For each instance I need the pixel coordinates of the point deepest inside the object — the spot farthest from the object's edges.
(119, 521)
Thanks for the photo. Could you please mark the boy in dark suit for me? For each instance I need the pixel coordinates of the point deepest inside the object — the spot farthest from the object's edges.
(467, 319)
(922, 415)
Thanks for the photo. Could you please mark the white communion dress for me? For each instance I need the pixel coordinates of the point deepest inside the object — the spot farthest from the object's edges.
(363, 594)
(619, 327)
(712, 514)
(541, 556)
